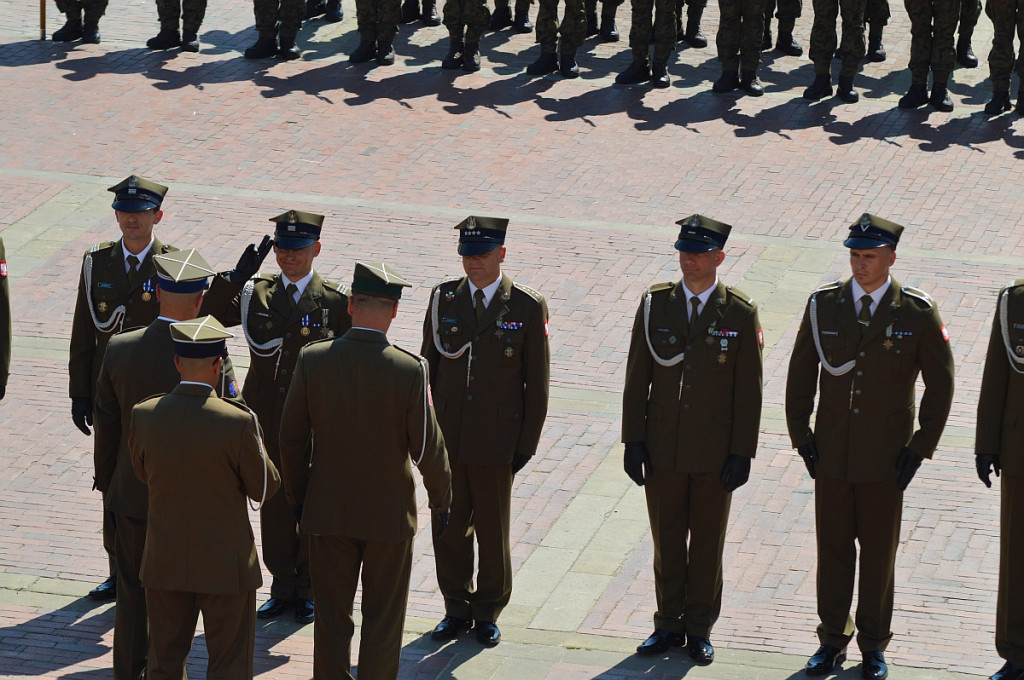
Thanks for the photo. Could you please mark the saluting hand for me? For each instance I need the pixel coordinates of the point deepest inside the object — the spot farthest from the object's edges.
(907, 462)
(987, 463)
(250, 261)
(809, 452)
(735, 472)
(637, 462)
(81, 414)
(440, 522)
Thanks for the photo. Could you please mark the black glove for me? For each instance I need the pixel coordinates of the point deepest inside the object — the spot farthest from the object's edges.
(440, 522)
(907, 463)
(297, 513)
(637, 462)
(519, 461)
(987, 463)
(3, 391)
(81, 414)
(735, 472)
(250, 261)
(809, 452)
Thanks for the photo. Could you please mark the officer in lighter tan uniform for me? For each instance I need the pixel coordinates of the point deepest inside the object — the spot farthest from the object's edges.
(690, 417)
(860, 347)
(486, 339)
(116, 291)
(999, 447)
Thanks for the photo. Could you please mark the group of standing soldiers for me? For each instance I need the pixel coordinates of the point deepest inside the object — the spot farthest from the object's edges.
(941, 35)
(147, 314)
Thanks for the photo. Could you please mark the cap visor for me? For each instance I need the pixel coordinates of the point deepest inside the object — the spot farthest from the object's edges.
(688, 246)
(293, 242)
(476, 247)
(861, 243)
(133, 205)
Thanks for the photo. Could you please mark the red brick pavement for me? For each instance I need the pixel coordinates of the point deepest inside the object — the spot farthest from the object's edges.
(593, 176)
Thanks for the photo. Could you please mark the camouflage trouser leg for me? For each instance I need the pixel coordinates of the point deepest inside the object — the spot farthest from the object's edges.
(94, 9)
(823, 35)
(789, 11)
(521, 5)
(852, 47)
(970, 12)
(641, 30)
(265, 13)
(740, 30)
(877, 12)
(192, 13)
(378, 18)
(471, 17)
(573, 29)
(69, 7)
(664, 28)
(169, 12)
(1007, 18)
(932, 25)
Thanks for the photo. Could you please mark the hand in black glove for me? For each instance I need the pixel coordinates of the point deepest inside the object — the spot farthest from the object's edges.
(519, 461)
(637, 462)
(81, 414)
(250, 261)
(297, 513)
(809, 452)
(735, 472)
(907, 463)
(987, 463)
(440, 522)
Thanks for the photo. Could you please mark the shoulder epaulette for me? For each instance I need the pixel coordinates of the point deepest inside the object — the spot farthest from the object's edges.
(829, 286)
(740, 295)
(659, 287)
(336, 287)
(128, 330)
(920, 295)
(448, 279)
(415, 356)
(167, 249)
(101, 246)
(1014, 284)
(150, 398)
(318, 341)
(529, 291)
(240, 406)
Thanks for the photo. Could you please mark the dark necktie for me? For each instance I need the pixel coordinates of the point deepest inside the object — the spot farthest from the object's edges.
(865, 310)
(694, 304)
(479, 306)
(133, 268)
(291, 289)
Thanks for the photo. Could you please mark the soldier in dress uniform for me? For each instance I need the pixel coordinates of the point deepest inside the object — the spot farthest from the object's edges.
(5, 322)
(138, 364)
(200, 456)
(116, 291)
(690, 417)
(486, 340)
(365, 405)
(860, 347)
(999, 447)
(279, 315)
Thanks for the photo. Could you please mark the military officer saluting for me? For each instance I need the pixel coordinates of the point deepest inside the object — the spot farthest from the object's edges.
(138, 364)
(486, 340)
(200, 555)
(690, 417)
(116, 291)
(860, 347)
(365, 405)
(999, 447)
(279, 315)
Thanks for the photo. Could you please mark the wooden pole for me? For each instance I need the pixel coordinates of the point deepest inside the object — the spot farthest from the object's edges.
(42, 19)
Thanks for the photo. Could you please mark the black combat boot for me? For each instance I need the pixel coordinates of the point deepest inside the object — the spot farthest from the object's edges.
(940, 94)
(786, 43)
(546, 63)
(430, 17)
(964, 52)
(659, 74)
(288, 49)
(471, 57)
(453, 60)
(333, 12)
(521, 23)
(265, 46)
(502, 18)
(750, 84)
(729, 81)
(845, 90)
(916, 96)
(366, 51)
(591, 12)
(385, 52)
(693, 35)
(820, 88)
(1000, 102)
(91, 32)
(189, 41)
(567, 65)
(410, 11)
(609, 31)
(637, 72)
(71, 30)
(876, 50)
(165, 39)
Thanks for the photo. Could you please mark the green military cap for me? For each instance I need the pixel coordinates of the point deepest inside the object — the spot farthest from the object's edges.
(378, 279)
(182, 271)
(200, 338)
(136, 194)
(297, 229)
(479, 235)
(699, 234)
(871, 231)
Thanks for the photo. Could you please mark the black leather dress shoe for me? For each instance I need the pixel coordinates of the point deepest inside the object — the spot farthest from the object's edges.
(1008, 672)
(487, 633)
(104, 591)
(874, 667)
(271, 608)
(701, 650)
(304, 611)
(449, 628)
(659, 642)
(824, 660)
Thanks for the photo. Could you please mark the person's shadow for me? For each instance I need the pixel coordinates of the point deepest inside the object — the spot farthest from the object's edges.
(78, 627)
(425, 657)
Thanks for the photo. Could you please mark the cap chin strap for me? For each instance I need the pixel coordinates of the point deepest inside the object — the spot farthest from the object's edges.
(833, 370)
(116, 317)
(647, 334)
(1016, 362)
